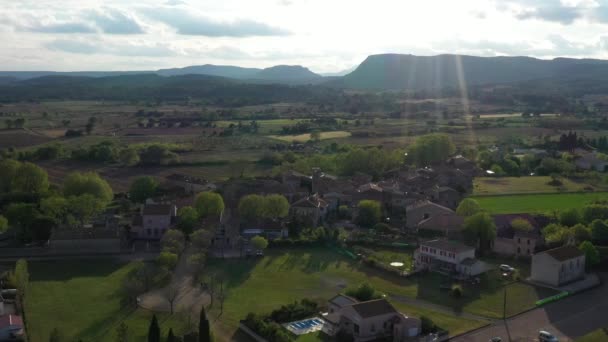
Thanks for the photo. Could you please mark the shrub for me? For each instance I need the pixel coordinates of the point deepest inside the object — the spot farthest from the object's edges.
(456, 291)
(363, 292)
(427, 325)
(295, 311)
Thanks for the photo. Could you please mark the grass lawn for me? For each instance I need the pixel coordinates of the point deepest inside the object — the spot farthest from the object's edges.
(522, 185)
(81, 299)
(537, 203)
(280, 277)
(599, 335)
(306, 137)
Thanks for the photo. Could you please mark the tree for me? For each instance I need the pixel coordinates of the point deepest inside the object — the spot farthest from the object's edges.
(480, 230)
(201, 239)
(251, 207)
(557, 234)
(595, 211)
(8, 171)
(599, 231)
(570, 217)
(209, 204)
(55, 207)
(42, 227)
(363, 292)
(275, 206)
(154, 330)
(22, 277)
(315, 136)
(85, 207)
(581, 233)
(3, 224)
(88, 183)
(173, 241)
(259, 242)
(171, 337)
(157, 154)
(204, 330)
(143, 188)
(592, 256)
(90, 125)
(128, 156)
(431, 148)
(171, 293)
(369, 214)
(122, 333)
(521, 225)
(30, 178)
(468, 207)
(187, 219)
(167, 260)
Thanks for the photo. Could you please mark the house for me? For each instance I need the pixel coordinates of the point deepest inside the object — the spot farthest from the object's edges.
(190, 184)
(269, 229)
(311, 209)
(447, 197)
(153, 221)
(370, 320)
(558, 266)
(447, 257)
(591, 161)
(11, 328)
(510, 242)
(423, 210)
(448, 224)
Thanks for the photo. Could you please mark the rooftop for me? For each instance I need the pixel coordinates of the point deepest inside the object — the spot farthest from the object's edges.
(374, 308)
(158, 209)
(342, 300)
(8, 320)
(564, 253)
(445, 245)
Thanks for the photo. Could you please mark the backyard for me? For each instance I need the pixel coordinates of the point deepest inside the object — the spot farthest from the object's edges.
(82, 300)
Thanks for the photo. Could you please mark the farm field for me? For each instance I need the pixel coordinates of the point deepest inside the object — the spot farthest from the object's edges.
(537, 203)
(523, 185)
(306, 137)
(82, 300)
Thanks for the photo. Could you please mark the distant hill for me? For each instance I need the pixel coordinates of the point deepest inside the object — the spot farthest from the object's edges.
(213, 70)
(287, 74)
(395, 71)
(25, 75)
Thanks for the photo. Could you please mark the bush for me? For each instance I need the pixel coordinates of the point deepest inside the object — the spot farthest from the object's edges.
(427, 325)
(363, 292)
(271, 331)
(456, 291)
(295, 311)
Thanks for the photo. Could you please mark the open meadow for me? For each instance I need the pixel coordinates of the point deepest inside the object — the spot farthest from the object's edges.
(527, 185)
(537, 203)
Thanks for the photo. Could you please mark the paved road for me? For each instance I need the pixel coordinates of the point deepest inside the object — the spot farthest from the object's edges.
(568, 319)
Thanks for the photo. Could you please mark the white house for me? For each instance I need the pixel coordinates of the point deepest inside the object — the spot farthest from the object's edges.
(11, 328)
(447, 257)
(370, 320)
(558, 266)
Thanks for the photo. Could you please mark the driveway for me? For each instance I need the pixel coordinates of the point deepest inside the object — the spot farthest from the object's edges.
(568, 319)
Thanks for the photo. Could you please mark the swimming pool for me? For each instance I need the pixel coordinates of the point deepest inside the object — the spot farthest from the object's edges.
(306, 326)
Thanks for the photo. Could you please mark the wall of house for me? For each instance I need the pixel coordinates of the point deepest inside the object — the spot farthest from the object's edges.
(545, 269)
(414, 216)
(571, 270)
(524, 246)
(446, 255)
(504, 246)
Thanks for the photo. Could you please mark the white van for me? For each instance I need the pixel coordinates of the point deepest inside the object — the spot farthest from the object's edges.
(545, 336)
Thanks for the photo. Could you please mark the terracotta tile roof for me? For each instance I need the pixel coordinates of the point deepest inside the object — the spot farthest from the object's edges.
(374, 308)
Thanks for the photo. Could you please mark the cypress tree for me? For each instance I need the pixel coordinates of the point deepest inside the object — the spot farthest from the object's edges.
(154, 330)
(204, 331)
(170, 336)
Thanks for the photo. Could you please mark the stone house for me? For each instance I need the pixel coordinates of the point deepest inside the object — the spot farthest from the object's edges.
(447, 197)
(448, 224)
(153, 221)
(558, 266)
(422, 210)
(370, 320)
(311, 209)
(510, 242)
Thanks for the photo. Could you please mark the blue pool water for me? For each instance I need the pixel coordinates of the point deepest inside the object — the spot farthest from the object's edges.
(306, 324)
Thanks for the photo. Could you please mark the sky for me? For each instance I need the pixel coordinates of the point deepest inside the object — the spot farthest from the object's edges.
(324, 35)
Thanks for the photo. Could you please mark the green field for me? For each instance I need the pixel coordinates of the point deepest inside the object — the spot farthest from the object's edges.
(306, 137)
(537, 203)
(523, 185)
(81, 299)
(599, 335)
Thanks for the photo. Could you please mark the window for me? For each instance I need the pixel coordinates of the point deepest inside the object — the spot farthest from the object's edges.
(149, 232)
(426, 216)
(356, 328)
(578, 263)
(518, 250)
(518, 240)
(528, 242)
(528, 251)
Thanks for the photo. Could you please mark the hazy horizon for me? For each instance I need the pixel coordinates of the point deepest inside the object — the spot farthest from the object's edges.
(324, 37)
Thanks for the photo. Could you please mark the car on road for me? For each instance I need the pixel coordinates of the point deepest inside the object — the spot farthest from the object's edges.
(495, 339)
(506, 268)
(545, 336)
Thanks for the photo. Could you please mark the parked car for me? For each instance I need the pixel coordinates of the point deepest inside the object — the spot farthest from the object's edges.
(506, 268)
(496, 339)
(545, 336)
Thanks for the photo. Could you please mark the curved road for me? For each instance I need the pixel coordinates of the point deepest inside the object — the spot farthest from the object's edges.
(568, 319)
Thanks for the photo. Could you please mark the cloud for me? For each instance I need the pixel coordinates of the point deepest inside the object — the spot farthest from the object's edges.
(188, 23)
(107, 48)
(560, 14)
(112, 21)
(174, 3)
(57, 27)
